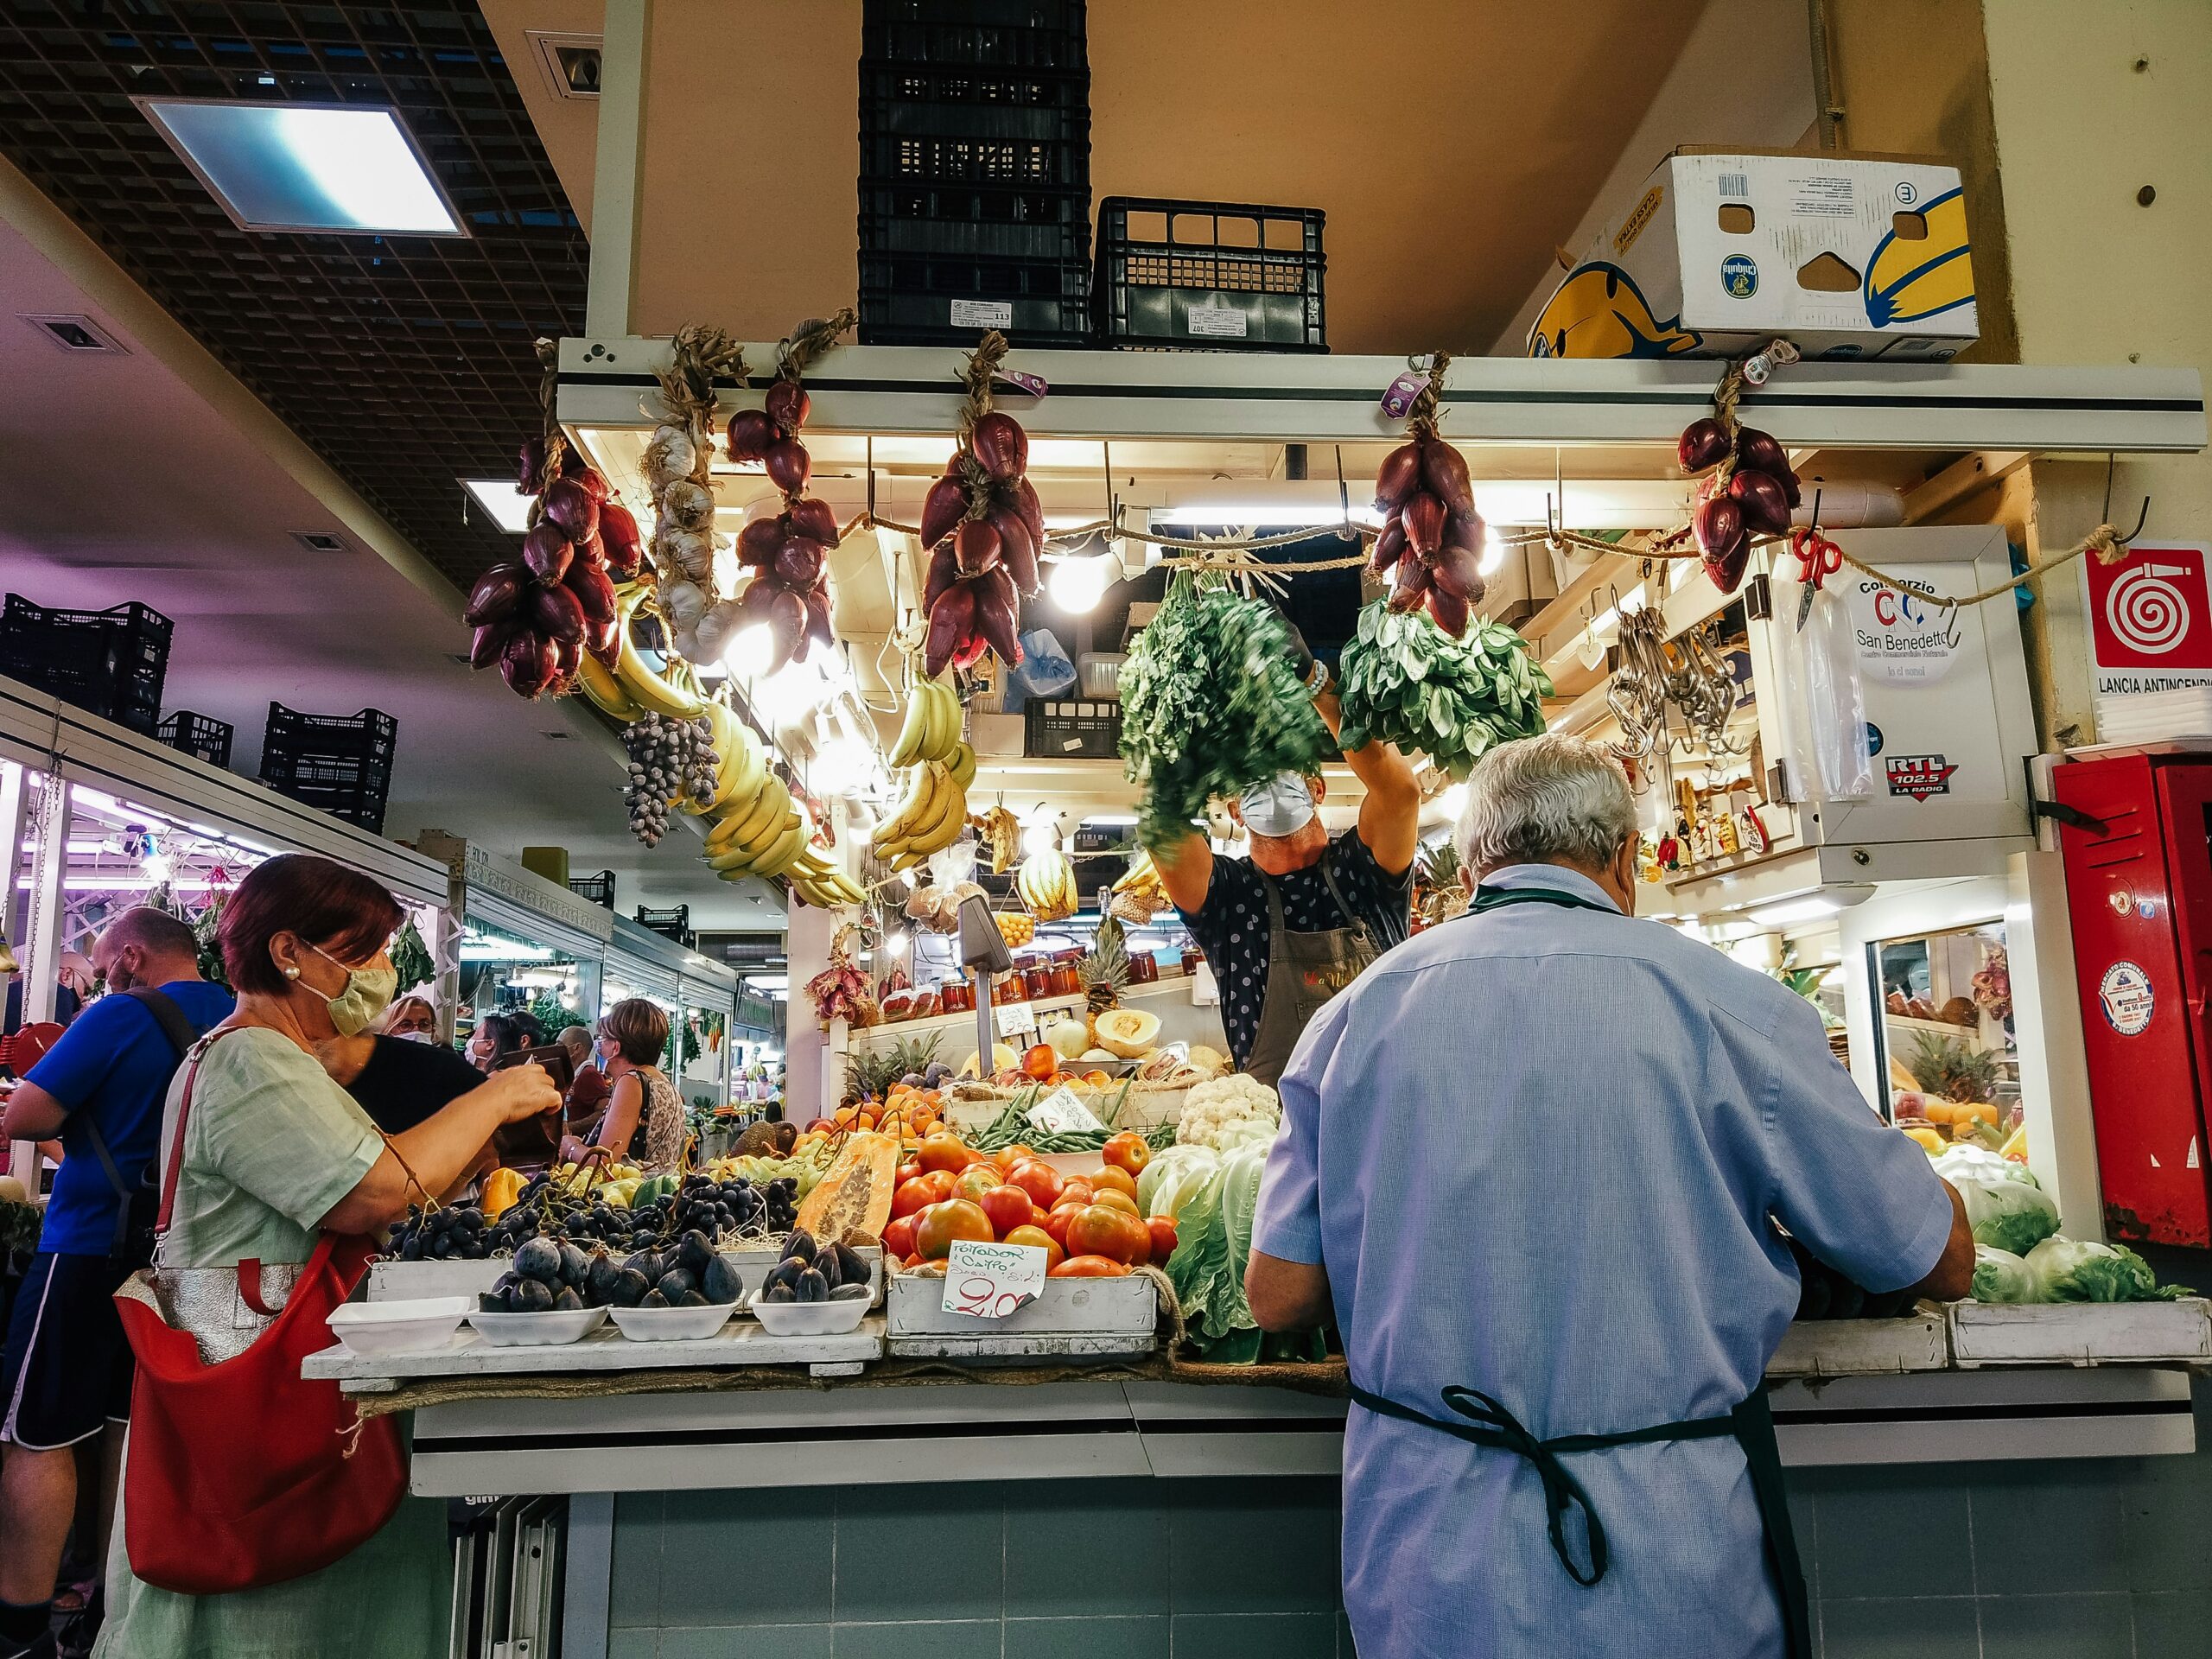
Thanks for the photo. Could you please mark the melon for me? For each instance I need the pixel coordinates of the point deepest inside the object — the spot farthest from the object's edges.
(1096, 1054)
(1003, 1058)
(11, 1190)
(1205, 1057)
(1069, 1037)
(1127, 1032)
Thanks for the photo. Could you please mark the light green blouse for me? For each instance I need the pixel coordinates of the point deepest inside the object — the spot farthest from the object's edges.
(271, 1146)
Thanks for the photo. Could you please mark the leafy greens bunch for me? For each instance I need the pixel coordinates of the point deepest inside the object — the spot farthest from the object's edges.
(1210, 706)
(1407, 682)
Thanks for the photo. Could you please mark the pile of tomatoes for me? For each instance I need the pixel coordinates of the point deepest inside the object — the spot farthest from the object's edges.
(1088, 1226)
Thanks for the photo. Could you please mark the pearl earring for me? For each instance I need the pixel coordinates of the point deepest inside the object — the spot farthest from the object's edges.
(291, 973)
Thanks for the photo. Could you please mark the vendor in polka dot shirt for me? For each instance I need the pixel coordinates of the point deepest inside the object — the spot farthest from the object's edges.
(1289, 926)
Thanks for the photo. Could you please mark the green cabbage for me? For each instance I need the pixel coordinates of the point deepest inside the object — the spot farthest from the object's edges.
(2005, 1205)
(2079, 1270)
(2001, 1276)
(1170, 1178)
(1213, 1241)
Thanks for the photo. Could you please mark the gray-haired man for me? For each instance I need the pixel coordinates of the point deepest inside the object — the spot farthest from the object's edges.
(1533, 1160)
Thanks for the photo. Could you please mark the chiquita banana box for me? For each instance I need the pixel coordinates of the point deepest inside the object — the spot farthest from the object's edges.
(1845, 255)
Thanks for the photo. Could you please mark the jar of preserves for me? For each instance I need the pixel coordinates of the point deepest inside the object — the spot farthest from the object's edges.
(1066, 980)
(1192, 957)
(1144, 967)
(956, 996)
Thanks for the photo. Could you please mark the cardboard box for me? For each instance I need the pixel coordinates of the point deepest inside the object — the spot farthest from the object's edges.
(1845, 256)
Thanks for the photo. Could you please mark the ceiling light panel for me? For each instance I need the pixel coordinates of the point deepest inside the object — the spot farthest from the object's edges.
(352, 169)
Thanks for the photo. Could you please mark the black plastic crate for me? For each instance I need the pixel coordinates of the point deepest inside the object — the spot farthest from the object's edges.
(1072, 728)
(599, 889)
(197, 736)
(673, 924)
(909, 135)
(1032, 34)
(924, 299)
(1212, 276)
(108, 663)
(341, 763)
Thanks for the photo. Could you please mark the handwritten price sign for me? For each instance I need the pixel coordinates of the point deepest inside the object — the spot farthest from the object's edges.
(988, 1281)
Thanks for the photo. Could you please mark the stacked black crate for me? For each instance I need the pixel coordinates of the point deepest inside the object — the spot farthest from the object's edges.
(975, 181)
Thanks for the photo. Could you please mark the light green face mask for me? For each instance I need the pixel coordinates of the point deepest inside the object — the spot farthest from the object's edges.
(368, 993)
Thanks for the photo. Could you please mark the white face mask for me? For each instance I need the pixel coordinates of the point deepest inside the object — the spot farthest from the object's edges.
(417, 1036)
(1282, 806)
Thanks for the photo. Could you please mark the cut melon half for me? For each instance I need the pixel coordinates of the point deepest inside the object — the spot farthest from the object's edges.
(1127, 1032)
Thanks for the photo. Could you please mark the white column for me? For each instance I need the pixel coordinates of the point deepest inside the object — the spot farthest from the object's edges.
(810, 1089)
(40, 953)
(617, 188)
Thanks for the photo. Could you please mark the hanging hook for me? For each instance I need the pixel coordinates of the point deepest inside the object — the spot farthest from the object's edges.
(2104, 515)
(1345, 532)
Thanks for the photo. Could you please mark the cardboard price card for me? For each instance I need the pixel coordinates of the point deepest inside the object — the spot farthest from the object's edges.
(1060, 1112)
(988, 1281)
(1016, 1019)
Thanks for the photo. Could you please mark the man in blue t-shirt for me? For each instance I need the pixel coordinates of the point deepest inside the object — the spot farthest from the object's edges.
(67, 1373)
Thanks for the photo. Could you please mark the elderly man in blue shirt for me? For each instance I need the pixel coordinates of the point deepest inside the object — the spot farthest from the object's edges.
(1534, 1161)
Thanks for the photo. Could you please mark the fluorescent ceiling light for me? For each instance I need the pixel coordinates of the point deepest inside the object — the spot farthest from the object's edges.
(509, 506)
(1591, 504)
(1795, 910)
(351, 168)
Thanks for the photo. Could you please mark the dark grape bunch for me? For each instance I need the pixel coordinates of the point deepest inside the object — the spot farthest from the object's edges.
(669, 757)
(732, 1209)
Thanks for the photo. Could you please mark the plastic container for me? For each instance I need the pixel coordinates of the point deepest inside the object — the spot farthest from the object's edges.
(830, 1318)
(947, 298)
(197, 735)
(1214, 276)
(985, 34)
(674, 923)
(108, 663)
(1098, 674)
(673, 1323)
(341, 763)
(419, 1325)
(555, 1329)
(1062, 728)
(599, 889)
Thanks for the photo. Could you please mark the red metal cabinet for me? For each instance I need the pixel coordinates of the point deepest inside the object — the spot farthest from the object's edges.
(2139, 892)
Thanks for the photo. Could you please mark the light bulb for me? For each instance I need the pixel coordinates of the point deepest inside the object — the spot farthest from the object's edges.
(1493, 552)
(894, 944)
(1040, 838)
(1077, 584)
(749, 651)
(1453, 801)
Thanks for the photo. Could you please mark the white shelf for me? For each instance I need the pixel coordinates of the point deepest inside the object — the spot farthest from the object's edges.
(1045, 1006)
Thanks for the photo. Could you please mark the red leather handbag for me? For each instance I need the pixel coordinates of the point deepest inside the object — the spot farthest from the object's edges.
(239, 1474)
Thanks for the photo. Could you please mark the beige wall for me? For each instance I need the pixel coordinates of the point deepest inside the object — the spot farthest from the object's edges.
(2097, 278)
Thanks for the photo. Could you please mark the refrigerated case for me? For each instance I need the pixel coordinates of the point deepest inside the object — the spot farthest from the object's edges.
(2136, 833)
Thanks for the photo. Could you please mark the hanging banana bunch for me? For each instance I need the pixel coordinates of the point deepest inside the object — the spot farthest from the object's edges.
(933, 811)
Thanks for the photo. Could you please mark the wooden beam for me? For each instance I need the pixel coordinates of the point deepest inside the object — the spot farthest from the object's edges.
(1962, 479)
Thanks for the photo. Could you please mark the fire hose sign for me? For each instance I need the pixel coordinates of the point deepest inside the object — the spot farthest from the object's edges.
(2150, 621)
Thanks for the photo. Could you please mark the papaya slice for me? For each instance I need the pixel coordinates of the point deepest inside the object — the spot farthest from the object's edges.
(854, 1197)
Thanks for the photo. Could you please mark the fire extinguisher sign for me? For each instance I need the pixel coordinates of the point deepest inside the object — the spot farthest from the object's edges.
(2151, 620)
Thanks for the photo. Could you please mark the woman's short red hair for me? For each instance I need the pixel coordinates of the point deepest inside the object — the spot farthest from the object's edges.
(341, 911)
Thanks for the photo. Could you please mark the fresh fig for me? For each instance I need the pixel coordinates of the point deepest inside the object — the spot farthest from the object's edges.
(1000, 446)
(1766, 507)
(812, 1286)
(1398, 477)
(495, 596)
(547, 551)
(786, 404)
(719, 1284)
(1703, 443)
(533, 1296)
(750, 434)
(800, 1246)
(943, 507)
(1424, 521)
(788, 464)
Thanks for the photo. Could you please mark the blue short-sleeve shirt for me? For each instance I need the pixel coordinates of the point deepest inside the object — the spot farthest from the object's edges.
(112, 1066)
(1536, 1151)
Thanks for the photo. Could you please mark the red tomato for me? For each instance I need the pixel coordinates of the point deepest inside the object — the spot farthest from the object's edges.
(1163, 1237)
(1040, 1182)
(1077, 1191)
(910, 1198)
(1088, 1266)
(973, 1181)
(943, 1150)
(1110, 1180)
(1097, 1230)
(1056, 1223)
(898, 1238)
(1008, 1207)
(937, 1226)
(1006, 1157)
(908, 1170)
(1114, 1198)
(1127, 1150)
(939, 1182)
(1038, 1239)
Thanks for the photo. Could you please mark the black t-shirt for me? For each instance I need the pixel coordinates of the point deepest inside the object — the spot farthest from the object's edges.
(1232, 926)
(405, 1082)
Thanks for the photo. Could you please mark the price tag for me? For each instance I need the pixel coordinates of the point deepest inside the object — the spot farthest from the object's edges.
(1022, 380)
(1060, 1112)
(1017, 1019)
(988, 1281)
(1398, 397)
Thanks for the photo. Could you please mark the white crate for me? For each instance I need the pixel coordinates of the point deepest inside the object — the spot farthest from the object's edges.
(1817, 1348)
(1073, 1318)
(2081, 1333)
(740, 1343)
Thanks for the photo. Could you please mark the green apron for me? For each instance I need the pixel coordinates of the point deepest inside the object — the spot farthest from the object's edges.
(1481, 1420)
(1303, 971)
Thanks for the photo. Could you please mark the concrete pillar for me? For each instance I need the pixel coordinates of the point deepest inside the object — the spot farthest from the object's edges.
(618, 169)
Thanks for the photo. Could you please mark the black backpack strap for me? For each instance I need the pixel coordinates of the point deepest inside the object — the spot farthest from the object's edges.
(177, 1025)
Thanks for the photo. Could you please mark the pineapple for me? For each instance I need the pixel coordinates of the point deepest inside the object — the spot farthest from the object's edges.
(1103, 970)
(869, 1076)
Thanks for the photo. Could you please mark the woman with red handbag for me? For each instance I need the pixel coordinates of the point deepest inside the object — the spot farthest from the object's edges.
(257, 1515)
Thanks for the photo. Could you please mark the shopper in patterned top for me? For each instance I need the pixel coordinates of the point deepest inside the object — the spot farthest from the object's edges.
(1288, 927)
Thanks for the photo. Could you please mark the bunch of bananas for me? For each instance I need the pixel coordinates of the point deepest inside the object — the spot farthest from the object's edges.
(1047, 884)
(1139, 894)
(1001, 831)
(757, 829)
(934, 810)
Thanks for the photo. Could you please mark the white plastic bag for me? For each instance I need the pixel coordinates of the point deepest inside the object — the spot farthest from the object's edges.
(1046, 670)
(1820, 661)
